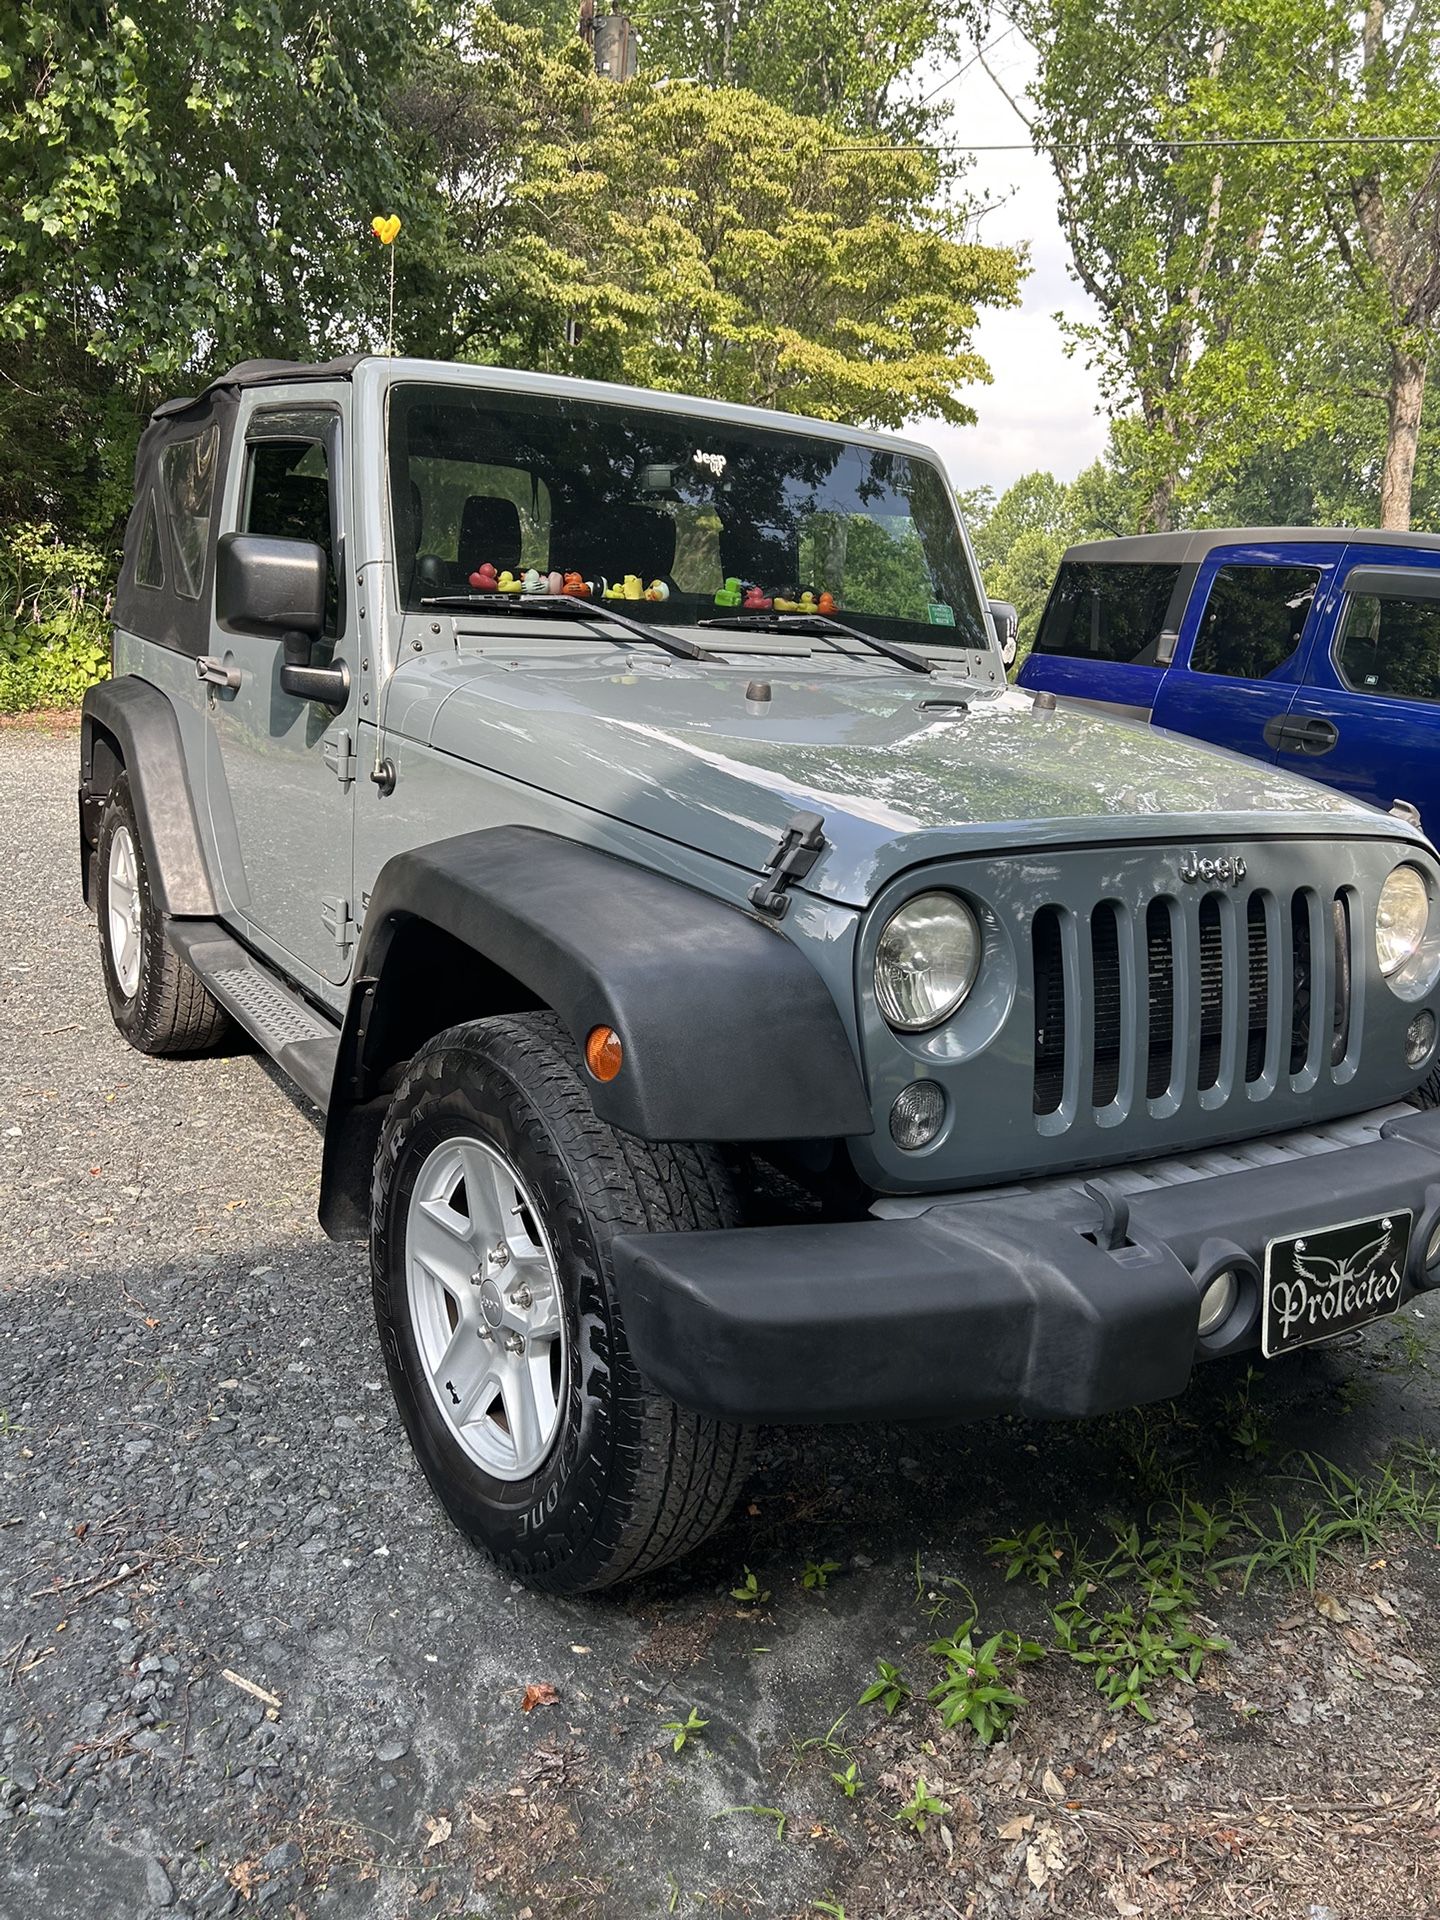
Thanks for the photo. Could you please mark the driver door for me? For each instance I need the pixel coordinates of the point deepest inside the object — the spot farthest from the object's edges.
(280, 770)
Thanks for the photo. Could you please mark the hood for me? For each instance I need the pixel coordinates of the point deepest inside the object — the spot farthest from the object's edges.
(900, 771)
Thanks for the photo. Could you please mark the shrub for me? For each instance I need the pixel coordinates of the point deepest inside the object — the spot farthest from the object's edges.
(54, 619)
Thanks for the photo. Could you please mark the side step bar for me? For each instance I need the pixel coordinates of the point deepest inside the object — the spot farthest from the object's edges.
(301, 1042)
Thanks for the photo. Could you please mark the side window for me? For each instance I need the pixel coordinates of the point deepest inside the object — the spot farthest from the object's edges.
(287, 495)
(187, 478)
(1107, 610)
(1253, 620)
(149, 560)
(1391, 646)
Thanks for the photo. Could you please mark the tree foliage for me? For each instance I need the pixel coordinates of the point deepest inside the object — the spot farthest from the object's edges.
(1279, 298)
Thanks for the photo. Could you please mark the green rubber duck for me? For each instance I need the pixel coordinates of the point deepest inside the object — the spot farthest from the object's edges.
(729, 594)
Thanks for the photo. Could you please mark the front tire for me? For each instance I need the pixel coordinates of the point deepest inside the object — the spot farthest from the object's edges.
(497, 1195)
(156, 1000)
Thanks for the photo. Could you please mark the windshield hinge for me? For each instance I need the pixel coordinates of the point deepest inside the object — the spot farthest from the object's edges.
(796, 851)
(340, 756)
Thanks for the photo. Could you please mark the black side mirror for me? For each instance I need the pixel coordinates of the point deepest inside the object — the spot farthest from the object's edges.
(1006, 621)
(267, 585)
(1165, 647)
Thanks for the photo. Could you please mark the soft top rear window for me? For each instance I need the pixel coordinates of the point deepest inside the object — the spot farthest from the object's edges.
(715, 513)
(1107, 610)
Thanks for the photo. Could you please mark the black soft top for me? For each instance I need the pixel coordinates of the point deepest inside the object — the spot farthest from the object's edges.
(167, 575)
(1196, 543)
(261, 373)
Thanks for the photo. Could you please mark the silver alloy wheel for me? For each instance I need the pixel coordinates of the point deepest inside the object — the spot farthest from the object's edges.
(122, 902)
(485, 1305)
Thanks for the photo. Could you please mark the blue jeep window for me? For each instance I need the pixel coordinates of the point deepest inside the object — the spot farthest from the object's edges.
(1391, 646)
(1107, 610)
(1253, 620)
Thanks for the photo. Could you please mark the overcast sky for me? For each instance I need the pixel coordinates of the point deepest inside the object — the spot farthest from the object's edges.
(1041, 409)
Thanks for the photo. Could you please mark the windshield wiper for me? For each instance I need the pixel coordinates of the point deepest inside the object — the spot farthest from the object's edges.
(821, 623)
(575, 608)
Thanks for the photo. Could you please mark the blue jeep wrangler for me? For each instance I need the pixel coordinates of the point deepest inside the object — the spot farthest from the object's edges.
(728, 1002)
(1310, 648)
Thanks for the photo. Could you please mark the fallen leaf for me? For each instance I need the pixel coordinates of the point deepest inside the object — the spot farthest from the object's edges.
(538, 1694)
(1051, 1787)
(1330, 1608)
(1018, 1828)
(579, 1649)
(1044, 1857)
(1383, 1606)
(438, 1828)
(1121, 1904)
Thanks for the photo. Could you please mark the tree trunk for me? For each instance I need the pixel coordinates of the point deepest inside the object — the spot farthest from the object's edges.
(1156, 517)
(1407, 397)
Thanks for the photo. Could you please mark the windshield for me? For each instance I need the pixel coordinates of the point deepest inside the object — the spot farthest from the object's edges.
(703, 517)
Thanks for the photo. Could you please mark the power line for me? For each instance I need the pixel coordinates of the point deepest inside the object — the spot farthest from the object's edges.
(1166, 146)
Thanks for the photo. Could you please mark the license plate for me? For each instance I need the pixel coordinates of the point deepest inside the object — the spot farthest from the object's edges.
(1323, 1283)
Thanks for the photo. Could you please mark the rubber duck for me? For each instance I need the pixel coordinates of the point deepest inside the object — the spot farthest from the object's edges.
(613, 591)
(786, 606)
(755, 601)
(508, 582)
(484, 579)
(807, 602)
(657, 590)
(575, 586)
(633, 587)
(532, 583)
(729, 594)
(826, 603)
(555, 581)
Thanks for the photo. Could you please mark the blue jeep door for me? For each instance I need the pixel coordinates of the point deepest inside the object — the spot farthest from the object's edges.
(1243, 644)
(1374, 682)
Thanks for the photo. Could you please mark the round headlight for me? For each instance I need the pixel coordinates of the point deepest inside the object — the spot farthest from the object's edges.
(927, 960)
(1401, 917)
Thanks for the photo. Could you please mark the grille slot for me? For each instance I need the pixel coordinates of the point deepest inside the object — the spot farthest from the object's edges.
(1109, 1003)
(1212, 992)
(1160, 970)
(1302, 980)
(1049, 1011)
(1340, 999)
(1257, 995)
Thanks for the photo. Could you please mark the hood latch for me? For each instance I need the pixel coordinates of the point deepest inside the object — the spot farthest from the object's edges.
(796, 851)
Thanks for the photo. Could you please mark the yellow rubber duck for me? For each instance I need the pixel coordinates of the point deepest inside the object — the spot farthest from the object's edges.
(508, 583)
(634, 588)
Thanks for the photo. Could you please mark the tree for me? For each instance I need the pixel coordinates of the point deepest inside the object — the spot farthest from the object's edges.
(185, 186)
(1360, 198)
(1020, 538)
(849, 61)
(699, 238)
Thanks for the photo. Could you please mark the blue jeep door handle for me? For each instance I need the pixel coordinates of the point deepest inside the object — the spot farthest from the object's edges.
(1311, 737)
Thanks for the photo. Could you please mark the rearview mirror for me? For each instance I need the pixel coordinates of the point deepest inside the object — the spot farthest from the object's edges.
(268, 585)
(1006, 621)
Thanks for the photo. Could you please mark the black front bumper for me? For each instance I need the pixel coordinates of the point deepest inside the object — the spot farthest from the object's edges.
(1058, 1303)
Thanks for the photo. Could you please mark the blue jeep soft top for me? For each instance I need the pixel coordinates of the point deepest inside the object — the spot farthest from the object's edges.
(1312, 648)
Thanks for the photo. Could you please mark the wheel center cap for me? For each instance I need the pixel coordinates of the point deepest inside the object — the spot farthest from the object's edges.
(491, 1304)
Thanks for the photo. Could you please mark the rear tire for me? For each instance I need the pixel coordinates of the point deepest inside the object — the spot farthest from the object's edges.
(156, 1000)
(606, 1480)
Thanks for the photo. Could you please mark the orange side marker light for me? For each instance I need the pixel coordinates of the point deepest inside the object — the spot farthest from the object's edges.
(604, 1055)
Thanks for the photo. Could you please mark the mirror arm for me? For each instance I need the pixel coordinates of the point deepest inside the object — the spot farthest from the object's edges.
(327, 686)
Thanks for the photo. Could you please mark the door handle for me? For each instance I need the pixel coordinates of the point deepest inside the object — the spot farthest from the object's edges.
(214, 670)
(1308, 737)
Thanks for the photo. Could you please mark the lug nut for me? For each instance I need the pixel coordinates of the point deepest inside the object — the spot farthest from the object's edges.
(514, 1343)
(523, 1298)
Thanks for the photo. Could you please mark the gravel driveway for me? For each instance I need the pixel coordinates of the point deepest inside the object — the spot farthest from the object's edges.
(245, 1663)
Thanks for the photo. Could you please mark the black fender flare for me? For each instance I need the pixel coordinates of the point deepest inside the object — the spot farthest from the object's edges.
(729, 1033)
(141, 722)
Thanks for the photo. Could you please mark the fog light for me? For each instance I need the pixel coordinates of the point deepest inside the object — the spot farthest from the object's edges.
(1419, 1038)
(917, 1115)
(1217, 1300)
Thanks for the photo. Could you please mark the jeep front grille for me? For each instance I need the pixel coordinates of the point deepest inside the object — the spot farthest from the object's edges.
(1212, 996)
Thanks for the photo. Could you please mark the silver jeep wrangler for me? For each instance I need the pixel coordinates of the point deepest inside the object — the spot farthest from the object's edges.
(727, 1001)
